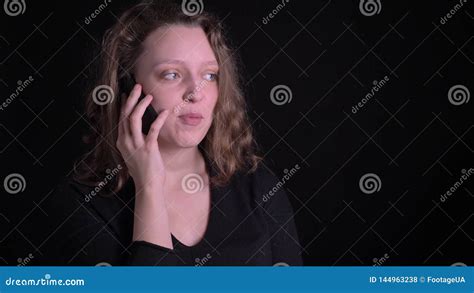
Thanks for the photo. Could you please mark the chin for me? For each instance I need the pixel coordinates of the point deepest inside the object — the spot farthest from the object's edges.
(188, 140)
(184, 138)
(185, 143)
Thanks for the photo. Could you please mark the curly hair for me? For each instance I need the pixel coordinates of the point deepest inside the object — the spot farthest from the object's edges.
(229, 143)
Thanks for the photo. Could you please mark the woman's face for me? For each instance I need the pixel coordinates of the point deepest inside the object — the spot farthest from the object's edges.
(178, 67)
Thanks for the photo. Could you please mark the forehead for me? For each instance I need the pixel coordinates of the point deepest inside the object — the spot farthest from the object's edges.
(178, 42)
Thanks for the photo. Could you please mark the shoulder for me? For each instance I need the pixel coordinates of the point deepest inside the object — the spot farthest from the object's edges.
(79, 202)
(69, 188)
(84, 225)
(70, 192)
(67, 195)
(268, 188)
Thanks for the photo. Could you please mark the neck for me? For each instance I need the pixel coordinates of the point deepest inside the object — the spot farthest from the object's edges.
(179, 161)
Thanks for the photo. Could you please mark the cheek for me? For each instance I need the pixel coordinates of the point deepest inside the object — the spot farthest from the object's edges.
(169, 127)
(164, 99)
(172, 100)
(212, 97)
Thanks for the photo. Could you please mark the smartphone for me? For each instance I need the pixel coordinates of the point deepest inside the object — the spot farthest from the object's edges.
(126, 86)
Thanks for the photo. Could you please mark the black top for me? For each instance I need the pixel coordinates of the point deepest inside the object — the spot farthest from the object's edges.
(247, 226)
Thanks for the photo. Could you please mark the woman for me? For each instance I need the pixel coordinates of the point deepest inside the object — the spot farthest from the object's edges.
(188, 191)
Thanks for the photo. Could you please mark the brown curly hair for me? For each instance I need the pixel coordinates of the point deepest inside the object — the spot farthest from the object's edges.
(229, 143)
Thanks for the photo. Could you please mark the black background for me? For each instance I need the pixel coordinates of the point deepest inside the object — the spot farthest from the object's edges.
(328, 53)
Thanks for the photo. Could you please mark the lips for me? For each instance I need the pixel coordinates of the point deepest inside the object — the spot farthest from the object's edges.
(191, 119)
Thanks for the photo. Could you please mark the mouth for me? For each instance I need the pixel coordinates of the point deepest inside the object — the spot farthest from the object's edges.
(191, 119)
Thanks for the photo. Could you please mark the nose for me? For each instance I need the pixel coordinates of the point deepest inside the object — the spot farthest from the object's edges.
(194, 92)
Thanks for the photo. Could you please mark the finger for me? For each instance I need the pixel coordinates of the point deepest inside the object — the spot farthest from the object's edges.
(131, 101)
(128, 104)
(136, 120)
(122, 125)
(155, 127)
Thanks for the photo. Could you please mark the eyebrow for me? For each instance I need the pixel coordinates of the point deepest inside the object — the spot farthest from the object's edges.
(177, 61)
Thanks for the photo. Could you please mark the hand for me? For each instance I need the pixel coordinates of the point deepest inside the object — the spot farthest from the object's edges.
(141, 153)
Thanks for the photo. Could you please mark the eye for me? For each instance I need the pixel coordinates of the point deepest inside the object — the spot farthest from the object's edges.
(210, 76)
(170, 75)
